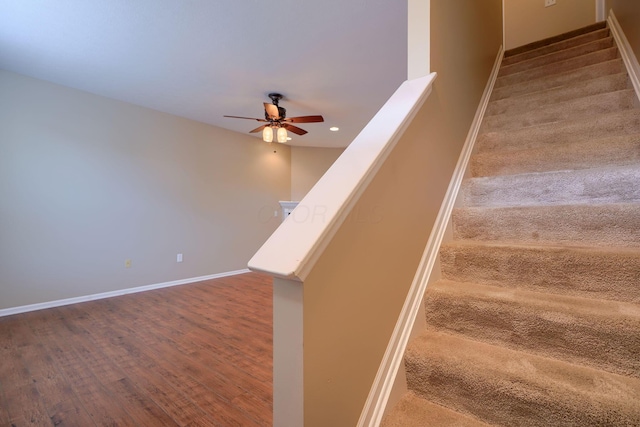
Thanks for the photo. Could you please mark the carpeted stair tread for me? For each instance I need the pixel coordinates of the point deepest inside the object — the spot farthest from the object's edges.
(530, 101)
(621, 150)
(555, 39)
(414, 411)
(602, 185)
(609, 273)
(617, 123)
(594, 104)
(551, 58)
(558, 67)
(513, 388)
(597, 225)
(592, 332)
(614, 66)
(558, 46)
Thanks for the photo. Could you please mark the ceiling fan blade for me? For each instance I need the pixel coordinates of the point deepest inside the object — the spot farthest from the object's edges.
(248, 118)
(294, 129)
(272, 110)
(258, 129)
(304, 119)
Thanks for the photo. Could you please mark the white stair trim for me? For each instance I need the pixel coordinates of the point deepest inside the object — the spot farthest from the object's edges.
(62, 302)
(385, 379)
(626, 52)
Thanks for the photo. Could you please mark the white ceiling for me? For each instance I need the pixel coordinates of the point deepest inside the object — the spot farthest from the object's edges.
(202, 59)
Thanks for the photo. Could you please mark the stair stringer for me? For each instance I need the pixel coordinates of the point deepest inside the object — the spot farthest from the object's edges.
(390, 382)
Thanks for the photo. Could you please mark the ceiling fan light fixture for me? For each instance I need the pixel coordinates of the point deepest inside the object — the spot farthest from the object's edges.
(267, 134)
(282, 135)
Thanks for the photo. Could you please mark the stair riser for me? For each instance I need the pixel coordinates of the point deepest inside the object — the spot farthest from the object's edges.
(617, 151)
(526, 103)
(555, 39)
(447, 386)
(616, 185)
(607, 225)
(560, 67)
(595, 127)
(610, 342)
(553, 58)
(502, 398)
(567, 44)
(615, 66)
(413, 411)
(564, 271)
(597, 104)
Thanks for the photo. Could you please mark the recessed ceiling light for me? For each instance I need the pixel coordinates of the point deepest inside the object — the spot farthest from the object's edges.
(334, 129)
(288, 138)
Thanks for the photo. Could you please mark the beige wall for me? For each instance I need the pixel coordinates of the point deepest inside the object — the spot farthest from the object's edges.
(528, 21)
(87, 182)
(353, 295)
(628, 14)
(308, 164)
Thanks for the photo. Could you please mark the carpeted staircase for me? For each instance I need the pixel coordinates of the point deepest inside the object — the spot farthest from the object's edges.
(536, 321)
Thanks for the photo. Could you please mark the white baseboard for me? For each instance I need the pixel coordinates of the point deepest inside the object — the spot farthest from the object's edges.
(626, 52)
(75, 300)
(378, 398)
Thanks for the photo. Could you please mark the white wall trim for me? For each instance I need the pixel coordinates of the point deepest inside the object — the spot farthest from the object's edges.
(418, 38)
(601, 14)
(626, 52)
(75, 300)
(376, 403)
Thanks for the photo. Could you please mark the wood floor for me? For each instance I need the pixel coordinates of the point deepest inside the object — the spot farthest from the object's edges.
(191, 355)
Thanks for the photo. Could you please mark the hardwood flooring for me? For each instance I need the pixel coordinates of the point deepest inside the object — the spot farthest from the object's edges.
(190, 355)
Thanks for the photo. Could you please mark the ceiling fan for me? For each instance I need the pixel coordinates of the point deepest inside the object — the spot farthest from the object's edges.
(275, 117)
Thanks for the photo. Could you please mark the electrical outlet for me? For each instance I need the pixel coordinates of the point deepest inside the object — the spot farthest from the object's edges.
(127, 263)
(548, 3)
(179, 258)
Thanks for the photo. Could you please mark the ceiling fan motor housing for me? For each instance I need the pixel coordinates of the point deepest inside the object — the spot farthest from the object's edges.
(275, 99)
(281, 112)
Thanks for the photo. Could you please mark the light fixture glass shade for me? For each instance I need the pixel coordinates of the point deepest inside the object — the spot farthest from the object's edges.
(282, 135)
(267, 134)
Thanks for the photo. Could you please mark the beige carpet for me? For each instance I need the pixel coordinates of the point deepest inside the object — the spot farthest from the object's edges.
(536, 321)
